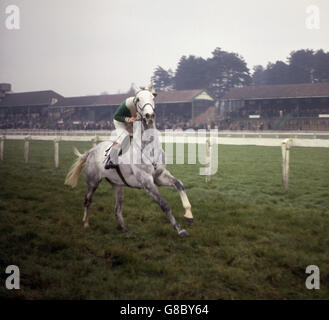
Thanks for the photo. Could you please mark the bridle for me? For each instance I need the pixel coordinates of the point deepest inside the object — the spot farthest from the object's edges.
(140, 109)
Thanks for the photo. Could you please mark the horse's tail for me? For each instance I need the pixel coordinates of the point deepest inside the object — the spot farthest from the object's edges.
(73, 175)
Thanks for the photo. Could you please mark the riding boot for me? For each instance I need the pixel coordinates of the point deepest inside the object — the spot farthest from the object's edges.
(112, 159)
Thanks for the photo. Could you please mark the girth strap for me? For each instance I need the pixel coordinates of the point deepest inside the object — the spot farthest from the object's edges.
(121, 176)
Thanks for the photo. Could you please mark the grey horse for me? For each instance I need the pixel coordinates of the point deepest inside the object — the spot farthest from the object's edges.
(141, 166)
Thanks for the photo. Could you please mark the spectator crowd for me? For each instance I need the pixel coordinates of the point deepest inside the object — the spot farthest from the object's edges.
(23, 121)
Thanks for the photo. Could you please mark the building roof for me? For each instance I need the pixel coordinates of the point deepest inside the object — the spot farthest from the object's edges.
(115, 99)
(52, 98)
(182, 96)
(30, 98)
(308, 90)
(99, 100)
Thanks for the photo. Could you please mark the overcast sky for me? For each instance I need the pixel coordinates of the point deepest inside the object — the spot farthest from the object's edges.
(80, 47)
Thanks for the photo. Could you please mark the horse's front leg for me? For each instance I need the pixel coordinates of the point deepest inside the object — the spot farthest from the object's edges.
(153, 191)
(167, 179)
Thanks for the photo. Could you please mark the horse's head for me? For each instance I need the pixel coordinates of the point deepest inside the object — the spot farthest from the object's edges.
(145, 105)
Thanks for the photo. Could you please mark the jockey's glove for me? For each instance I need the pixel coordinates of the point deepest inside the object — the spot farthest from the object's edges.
(131, 120)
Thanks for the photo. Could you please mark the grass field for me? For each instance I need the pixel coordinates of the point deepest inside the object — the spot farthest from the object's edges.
(250, 240)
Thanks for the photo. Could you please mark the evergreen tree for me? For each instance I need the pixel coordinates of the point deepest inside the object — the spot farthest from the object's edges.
(225, 71)
(320, 72)
(258, 76)
(191, 73)
(277, 73)
(162, 79)
(301, 65)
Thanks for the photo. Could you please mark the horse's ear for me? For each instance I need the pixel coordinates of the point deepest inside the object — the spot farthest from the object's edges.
(151, 89)
(136, 89)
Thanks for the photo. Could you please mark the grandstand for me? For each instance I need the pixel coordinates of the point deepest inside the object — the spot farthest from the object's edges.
(25, 109)
(276, 107)
(50, 110)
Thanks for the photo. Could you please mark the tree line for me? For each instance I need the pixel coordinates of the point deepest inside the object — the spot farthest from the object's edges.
(225, 70)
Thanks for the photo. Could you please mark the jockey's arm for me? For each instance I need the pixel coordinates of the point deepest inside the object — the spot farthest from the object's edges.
(132, 119)
(124, 112)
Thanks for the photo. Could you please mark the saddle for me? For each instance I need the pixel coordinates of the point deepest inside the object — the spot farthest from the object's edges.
(114, 164)
(114, 144)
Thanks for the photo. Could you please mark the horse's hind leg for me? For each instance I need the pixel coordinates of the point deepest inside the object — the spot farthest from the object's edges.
(167, 179)
(119, 195)
(91, 188)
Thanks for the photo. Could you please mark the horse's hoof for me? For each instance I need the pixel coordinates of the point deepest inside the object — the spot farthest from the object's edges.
(183, 233)
(189, 221)
(86, 225)
(128, 233)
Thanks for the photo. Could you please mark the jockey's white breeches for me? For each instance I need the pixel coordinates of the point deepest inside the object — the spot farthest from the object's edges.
(122, 130)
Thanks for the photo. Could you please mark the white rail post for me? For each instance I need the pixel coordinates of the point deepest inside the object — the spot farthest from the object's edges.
(285, 149)
(208, 156)
(2, 146)
(56, 151)
(26, 148)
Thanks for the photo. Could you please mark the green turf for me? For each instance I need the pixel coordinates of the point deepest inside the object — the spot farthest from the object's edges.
(251, 239)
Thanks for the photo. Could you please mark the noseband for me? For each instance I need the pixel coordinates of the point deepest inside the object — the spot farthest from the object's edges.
(142, 108)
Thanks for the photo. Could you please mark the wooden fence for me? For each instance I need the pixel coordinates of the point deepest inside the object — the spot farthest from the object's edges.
(285, 140)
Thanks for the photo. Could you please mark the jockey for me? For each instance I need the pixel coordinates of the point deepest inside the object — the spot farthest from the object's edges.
(124, 118)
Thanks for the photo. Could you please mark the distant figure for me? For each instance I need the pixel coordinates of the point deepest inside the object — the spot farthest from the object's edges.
(261, 126)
